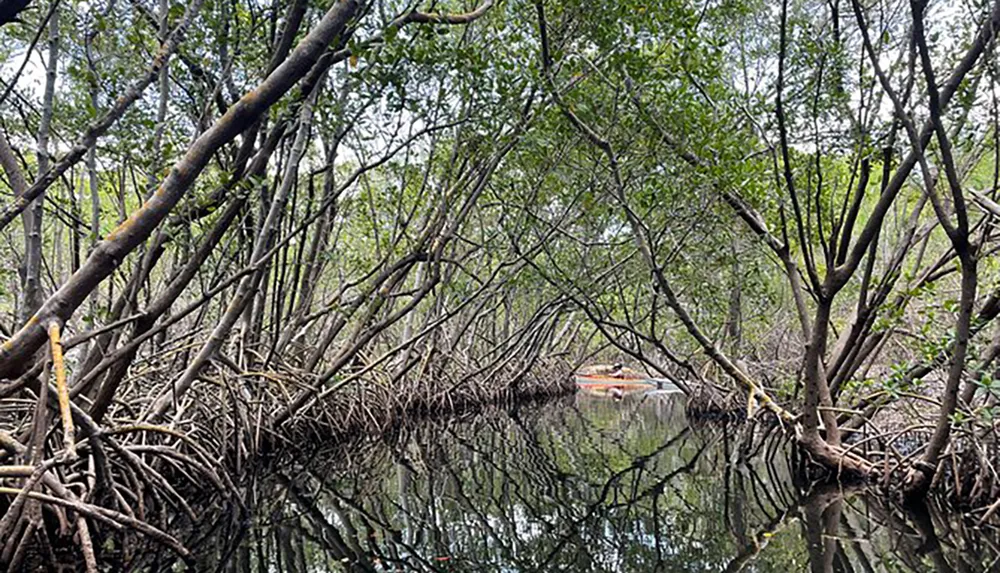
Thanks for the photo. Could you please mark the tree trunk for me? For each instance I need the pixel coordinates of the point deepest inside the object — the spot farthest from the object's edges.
(113, 249)
(249, 285)
(32, 217)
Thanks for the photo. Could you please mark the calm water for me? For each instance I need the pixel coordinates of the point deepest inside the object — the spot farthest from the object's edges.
(579, 484)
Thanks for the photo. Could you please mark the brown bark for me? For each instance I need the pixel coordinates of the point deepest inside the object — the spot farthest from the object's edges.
(113, 249)
(49, 176)
(162, 303)
(33, 217)
(248, 286)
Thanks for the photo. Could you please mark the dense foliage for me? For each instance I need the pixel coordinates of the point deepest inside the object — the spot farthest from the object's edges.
(232, 225)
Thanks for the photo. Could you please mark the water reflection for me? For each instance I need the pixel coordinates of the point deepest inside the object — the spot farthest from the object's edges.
(581, 484)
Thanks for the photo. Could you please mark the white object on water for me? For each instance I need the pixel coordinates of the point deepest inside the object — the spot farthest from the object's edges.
(664, 386)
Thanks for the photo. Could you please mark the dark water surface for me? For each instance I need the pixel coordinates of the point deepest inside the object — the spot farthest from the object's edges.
(578, 484)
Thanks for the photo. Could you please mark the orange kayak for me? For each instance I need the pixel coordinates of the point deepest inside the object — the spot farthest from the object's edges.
(598, 384)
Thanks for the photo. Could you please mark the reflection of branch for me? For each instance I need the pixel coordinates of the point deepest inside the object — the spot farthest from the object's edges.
(393, 533)
(657, 488)
(814, 505)
(760, 540)
(856, 544)
(637, 464)
(330, 535)
(930, 545)
(483, 520)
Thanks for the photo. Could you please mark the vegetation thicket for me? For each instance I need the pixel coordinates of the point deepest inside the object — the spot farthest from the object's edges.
(238, 225)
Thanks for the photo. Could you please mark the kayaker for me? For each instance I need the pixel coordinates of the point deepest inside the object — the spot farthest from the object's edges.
(617, 370)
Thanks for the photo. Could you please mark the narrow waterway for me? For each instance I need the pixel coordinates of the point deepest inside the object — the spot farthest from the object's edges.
(576, 484)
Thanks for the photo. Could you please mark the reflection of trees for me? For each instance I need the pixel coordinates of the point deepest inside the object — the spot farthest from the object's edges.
(587, 486)
(581, 486)
(850, 531)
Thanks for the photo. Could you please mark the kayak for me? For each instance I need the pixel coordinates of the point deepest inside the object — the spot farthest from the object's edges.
(610, 385)
(618, 386)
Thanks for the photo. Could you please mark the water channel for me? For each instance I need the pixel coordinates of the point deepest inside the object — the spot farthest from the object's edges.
(577, 484)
